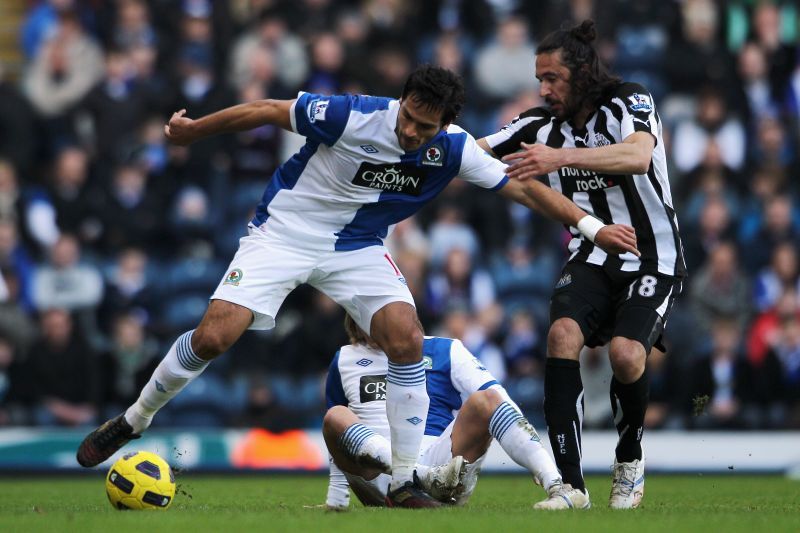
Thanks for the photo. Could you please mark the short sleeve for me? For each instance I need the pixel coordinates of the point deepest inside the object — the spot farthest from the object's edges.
(479, 168)
(637, 110)
(334, 392)
(321, 118)
(466, 372)
(523, 129)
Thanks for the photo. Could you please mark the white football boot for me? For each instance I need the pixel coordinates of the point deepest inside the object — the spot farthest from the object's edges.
(564, 496)
(627, 487)
(442, 481)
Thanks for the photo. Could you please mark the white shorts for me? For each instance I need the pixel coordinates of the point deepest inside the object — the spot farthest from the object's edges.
(267, 268)
(434, 451)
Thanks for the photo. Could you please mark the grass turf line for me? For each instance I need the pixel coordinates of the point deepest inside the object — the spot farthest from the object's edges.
(500, 503)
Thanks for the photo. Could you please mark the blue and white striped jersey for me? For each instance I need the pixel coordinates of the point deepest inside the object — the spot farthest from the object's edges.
(352, 182)
(357, 379)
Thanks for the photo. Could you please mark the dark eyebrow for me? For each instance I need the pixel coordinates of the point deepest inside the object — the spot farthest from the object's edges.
(420, 122)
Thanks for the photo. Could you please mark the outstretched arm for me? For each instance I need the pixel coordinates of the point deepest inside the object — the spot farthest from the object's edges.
(484, 144)
(614, 239)
(632, 156)
(183, 130)
(541, 198)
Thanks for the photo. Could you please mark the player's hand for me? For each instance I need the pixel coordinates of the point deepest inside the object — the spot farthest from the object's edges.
(534, 160)
(179, 129)
(617, 239)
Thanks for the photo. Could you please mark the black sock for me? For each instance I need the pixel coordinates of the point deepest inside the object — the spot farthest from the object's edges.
(629, 404)
(563, 411)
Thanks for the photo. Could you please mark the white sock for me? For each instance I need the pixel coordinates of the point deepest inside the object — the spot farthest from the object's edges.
(359, 441)
(338, 487)
(178, 368)
(521, 442)
(406, 409)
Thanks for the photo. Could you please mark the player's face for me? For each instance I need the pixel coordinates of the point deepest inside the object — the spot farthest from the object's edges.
(416, 124)
(555, 87)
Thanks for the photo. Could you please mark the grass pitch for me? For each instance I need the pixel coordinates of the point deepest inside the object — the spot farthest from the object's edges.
(500, 503)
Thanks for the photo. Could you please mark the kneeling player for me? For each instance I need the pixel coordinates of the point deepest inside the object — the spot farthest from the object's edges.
(468, 408)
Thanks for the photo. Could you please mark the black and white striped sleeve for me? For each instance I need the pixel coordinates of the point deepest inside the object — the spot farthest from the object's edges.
(522, 129)
(635, 110)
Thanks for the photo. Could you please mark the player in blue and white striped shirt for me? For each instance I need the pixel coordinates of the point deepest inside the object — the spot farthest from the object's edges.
(468, 407)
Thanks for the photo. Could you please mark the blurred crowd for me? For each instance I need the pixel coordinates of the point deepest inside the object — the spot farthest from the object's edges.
(111, 240)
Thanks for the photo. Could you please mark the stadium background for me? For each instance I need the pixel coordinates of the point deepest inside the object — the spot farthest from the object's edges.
(111, 240)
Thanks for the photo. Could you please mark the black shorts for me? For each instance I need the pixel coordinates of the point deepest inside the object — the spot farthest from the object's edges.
(606, 304)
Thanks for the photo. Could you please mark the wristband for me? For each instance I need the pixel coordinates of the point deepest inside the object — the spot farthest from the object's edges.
(589, 226)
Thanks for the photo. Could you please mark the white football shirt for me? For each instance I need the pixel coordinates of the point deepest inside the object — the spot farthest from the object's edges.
(357, 380)
(352, 182)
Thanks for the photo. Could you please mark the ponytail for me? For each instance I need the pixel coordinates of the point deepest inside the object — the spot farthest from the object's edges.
(589, 76)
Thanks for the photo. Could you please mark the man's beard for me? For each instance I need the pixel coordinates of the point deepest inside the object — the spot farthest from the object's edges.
(567, 109)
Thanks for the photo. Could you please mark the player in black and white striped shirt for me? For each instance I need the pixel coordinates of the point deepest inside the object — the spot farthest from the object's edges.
(599, 142)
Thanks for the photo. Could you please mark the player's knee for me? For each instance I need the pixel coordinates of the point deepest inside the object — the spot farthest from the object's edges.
(488, 400)
(208, 343)
(480, 406)
(564, 339)
(334, 419)
(330, 418)
(627, 357)
(405, 347)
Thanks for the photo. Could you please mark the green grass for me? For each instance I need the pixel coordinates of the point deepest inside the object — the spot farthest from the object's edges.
(500, 503)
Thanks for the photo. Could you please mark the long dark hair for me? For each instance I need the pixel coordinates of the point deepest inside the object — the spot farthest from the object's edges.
(437, 89)
(589, 77)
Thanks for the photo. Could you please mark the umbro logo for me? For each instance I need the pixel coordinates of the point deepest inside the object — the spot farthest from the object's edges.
(160, 387)
(364, 362)
(414, 420)
(369, 148)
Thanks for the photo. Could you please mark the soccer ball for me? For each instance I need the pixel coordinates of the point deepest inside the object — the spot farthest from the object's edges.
(140, 480)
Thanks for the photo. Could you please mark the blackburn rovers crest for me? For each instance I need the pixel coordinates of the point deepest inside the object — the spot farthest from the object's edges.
(233, 277)
(434, 156)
